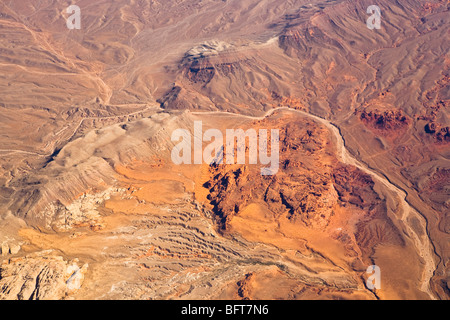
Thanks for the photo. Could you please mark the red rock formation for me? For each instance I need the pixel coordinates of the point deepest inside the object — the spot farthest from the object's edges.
(302, 188)
(355, 187)
(385, 121)
(245, 286)
(439, 134)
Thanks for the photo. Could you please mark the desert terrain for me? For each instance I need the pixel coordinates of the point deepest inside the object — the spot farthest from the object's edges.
(92, 205)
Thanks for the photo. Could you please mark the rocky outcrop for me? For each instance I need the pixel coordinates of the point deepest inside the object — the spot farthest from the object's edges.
(40, 276)
(385, 121)
(80, 213)
(245, 287)
(440, 134)
(355, 187)
(302, 188)
(9, 248)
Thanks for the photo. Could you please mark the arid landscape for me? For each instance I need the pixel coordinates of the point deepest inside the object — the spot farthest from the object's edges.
(93, 206)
